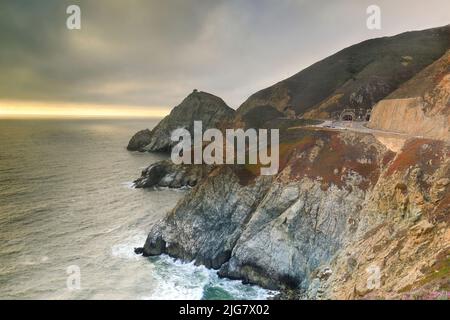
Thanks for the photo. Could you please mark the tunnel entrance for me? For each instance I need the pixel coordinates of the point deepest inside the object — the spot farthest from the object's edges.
(353, 115)
(347, 117)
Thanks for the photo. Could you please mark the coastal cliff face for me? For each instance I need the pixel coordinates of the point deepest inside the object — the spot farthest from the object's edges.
(341, 203)
(205, 225)
(403, 232)
(198, 106)
(421, 106)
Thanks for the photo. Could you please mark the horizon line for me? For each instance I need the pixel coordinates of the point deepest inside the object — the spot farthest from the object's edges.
(10, 109)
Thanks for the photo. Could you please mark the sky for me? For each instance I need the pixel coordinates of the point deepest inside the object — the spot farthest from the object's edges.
(142, 57)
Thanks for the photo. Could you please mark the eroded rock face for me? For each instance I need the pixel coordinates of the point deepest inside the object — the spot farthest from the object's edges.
(167, 174)
(292, 232)
(401, 246)
(198, 106)
(205, 225)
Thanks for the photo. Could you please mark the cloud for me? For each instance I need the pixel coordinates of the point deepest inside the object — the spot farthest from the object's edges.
(153, 53)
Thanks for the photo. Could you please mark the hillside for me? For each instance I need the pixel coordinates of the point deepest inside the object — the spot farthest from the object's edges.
(356, 77)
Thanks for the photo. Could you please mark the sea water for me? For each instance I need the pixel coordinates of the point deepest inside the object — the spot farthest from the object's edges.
(66, 199)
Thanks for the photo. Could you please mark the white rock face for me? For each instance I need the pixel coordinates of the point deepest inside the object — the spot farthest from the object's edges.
(408, 116)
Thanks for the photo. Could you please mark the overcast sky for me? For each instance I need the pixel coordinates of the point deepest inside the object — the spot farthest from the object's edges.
(154, 53)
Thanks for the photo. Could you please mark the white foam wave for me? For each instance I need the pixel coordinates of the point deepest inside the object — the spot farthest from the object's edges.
(177, 281)
(128, 184)
(181, 189)
(125, 250)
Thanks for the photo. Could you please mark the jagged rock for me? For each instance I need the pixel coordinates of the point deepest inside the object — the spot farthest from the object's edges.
(167, 174)
(293, 230)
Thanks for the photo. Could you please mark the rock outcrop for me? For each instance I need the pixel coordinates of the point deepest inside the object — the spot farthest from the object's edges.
(139, 140)
(419, 107)
(198, 106)
(167, 174)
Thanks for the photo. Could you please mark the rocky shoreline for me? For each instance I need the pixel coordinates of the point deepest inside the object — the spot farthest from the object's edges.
(292, 232)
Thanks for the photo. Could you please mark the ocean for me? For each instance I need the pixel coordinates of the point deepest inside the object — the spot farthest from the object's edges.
(67, 205)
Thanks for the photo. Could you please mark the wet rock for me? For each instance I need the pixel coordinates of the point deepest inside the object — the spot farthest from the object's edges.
(155, 248)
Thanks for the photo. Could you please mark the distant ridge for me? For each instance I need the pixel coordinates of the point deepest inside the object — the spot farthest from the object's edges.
(357, 77)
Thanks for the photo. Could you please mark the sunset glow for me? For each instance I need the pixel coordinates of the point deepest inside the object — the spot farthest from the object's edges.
(22, 109)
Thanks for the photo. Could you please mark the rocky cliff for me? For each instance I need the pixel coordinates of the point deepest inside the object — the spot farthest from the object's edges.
(356, 77)
(198, 106)
(350, 215)
(342, 203)
(421, 106)
(401, 245)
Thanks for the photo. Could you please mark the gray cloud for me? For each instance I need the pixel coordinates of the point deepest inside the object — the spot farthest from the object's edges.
(153, 53)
